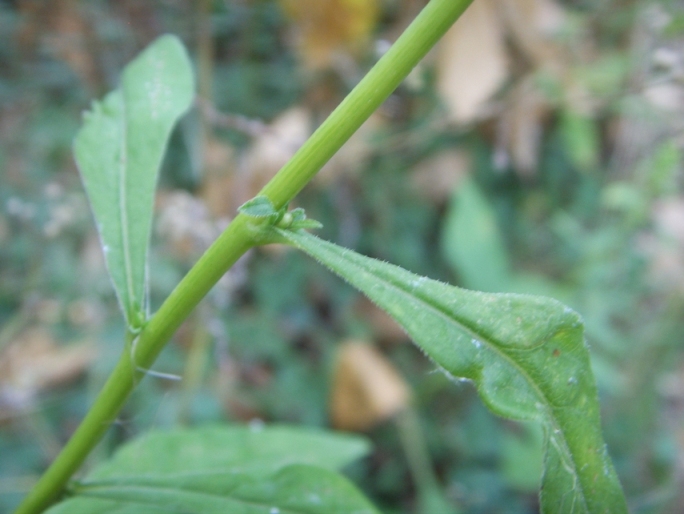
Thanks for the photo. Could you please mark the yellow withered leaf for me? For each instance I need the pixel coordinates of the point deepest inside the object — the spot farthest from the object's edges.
(34, 362)
(366, 390)
(324, 29)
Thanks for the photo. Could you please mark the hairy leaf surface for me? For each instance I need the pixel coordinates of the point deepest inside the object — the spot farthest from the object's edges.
(119, 151)
(526, 355)
(235, 468)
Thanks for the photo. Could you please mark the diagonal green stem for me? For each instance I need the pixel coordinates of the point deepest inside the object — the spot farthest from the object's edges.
(365, 98)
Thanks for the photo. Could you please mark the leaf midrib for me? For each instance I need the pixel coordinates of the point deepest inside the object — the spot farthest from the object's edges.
(123, 206)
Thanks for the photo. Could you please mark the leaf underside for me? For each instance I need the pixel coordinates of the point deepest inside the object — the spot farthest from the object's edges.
(526, 355)
(258, 470)
(119, 151)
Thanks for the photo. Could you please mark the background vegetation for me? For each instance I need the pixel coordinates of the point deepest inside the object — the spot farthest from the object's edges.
(538, 149)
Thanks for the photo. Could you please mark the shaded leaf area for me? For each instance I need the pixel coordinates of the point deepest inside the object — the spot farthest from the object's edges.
(472, 243)
(119, 152)
(296, 489)
(526, 354)
(225, 469)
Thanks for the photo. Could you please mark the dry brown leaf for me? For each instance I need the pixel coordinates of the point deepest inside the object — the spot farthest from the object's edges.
(472, 62)
(185, 224)
(533, 25)
(218, 184)
(436, 177)
(520, 127)
(366, 388)
(229, 181)
(271, 150)
(34, 362)
(324, 29)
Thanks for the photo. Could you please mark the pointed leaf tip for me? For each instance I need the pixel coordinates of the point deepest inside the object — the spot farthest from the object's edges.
(119, 151)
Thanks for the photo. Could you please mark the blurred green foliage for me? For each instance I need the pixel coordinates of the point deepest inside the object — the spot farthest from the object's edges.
(597, 222)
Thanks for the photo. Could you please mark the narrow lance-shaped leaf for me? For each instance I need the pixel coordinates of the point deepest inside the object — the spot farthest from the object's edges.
(526, 355)
(119, 152)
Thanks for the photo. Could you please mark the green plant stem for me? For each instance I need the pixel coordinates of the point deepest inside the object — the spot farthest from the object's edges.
(430, 496)
(379, 83)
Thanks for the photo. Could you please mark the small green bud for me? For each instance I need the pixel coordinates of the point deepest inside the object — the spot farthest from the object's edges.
(137, 321)
(286, 220)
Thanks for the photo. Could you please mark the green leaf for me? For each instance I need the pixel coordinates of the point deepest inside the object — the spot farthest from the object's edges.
(235, 460)
(527, 356)
(522, 455)
(258, 207)
(300, 221)
(582, 139)
(292, 490)
(262, 207)
(472, 243)
(119, 151)
(661, 168)
(233, 447)
(307, 224)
